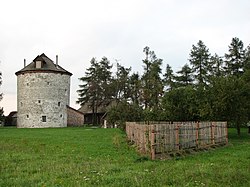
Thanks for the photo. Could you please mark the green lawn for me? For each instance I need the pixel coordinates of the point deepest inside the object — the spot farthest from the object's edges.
(101, 157)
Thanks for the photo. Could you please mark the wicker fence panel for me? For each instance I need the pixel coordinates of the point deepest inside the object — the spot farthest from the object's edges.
(160, 138)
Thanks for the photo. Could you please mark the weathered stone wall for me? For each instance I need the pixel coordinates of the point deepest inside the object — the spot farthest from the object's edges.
(75, 118)
(42, 95)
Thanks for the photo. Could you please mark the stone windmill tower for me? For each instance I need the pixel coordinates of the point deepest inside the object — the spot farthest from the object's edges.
(43, 91)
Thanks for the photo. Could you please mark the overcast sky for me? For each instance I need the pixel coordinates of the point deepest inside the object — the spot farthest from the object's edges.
(78, 30)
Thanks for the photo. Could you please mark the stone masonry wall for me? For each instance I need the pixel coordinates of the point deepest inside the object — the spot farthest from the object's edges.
(42, 99)
(75, 118)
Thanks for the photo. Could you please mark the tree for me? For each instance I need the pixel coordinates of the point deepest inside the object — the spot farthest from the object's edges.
(121, 81)
(105, 77)
(246, 64)
(184, 76)
(152, 84)
(235, 58)
(199, 59)
(217, 68)
(135, 88)
(96, 85)
(123, 112)
(169, 78)
(1, 97)
(230, 100)
(181, 104)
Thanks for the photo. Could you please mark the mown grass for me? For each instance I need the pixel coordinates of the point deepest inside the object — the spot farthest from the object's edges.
(101, 157)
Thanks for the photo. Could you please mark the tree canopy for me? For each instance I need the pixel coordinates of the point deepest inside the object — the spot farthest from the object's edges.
(211, 87)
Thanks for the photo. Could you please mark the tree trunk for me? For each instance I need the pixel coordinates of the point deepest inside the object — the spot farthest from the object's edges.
(93, 114)
(238, 128)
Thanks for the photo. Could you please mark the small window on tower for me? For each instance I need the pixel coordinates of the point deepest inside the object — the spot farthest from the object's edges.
(27, 116)
(59, 103)
(61, 115)
(44, 119)
(39, 101)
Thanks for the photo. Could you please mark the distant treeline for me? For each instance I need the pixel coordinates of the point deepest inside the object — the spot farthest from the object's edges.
(209, 87)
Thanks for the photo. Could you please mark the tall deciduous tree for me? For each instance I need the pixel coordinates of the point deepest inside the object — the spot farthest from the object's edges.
(230, 100)
(181, 104)
(235, 58)
(199, 59)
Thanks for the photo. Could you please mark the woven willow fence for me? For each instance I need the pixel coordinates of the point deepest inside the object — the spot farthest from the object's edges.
(157, 139)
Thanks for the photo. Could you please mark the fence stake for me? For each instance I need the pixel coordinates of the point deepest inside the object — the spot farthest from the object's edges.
(177, 136)
(212, 133)
(197, 134)
(152, 143)
(226, 132)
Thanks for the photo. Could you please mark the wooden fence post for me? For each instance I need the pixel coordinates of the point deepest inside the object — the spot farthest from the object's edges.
(197, 134)
(152, 143)
(212, 133)
(177, 136)
(226, 132)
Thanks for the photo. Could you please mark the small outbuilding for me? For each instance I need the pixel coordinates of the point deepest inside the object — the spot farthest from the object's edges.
(75, 117)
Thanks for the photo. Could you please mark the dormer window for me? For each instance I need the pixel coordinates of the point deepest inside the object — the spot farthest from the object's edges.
(38, 64)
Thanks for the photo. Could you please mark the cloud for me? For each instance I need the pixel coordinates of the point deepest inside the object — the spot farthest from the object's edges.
(78, 30)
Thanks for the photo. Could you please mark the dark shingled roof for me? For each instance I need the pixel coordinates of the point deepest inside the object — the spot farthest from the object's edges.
(102, 108)
(47, 66)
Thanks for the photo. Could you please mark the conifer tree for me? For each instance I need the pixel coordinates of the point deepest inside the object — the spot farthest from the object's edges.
(235, 58)
(169, 78)
(1, 97)
(121, 81)
(135, 88)
(95, 87)
(152, 84)
(199, 59)
(217, 68)
(184, 76)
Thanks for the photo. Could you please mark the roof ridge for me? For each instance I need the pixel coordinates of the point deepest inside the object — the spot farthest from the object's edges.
(49, 65)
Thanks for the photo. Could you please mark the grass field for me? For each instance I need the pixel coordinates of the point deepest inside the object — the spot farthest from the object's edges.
(101, 157)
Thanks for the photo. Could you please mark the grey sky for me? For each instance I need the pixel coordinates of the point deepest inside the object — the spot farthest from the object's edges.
(78, 30)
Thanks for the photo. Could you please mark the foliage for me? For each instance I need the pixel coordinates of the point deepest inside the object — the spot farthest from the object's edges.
(1, 97)
(123, 112)
(101, 157)
(135, 88)
(199, 59)
(121, 83)
(169, 78)
(217, 66)
(152, 84)
(184, 77)
(246, 63)
(181, 104)
(211, 87)
(235, 58)
(96, 85)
